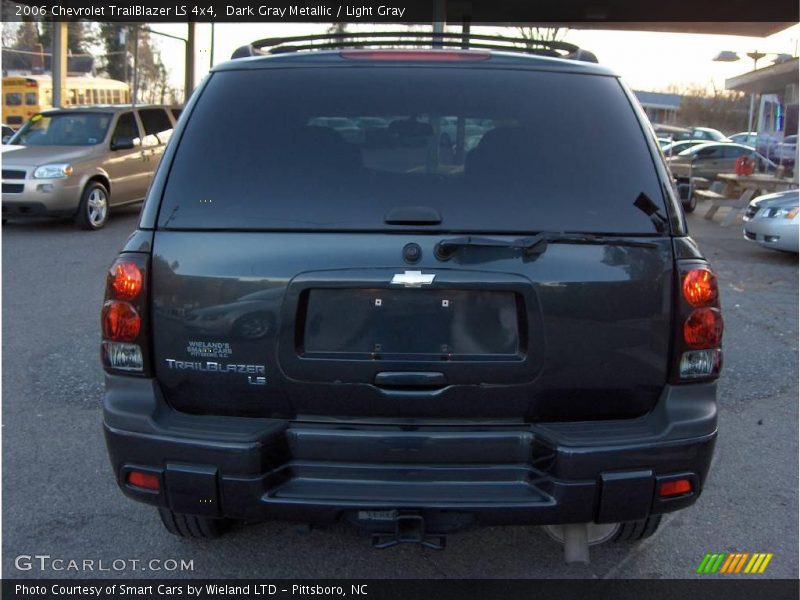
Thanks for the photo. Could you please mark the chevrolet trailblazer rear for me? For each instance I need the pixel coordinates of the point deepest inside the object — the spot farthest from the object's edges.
(414, 291)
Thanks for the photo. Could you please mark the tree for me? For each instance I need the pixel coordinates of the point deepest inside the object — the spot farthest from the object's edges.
(79, 36)
(117, 62)
(338, 28)
(721, 109)
(25, 37)
(152, 77)
(532, 35)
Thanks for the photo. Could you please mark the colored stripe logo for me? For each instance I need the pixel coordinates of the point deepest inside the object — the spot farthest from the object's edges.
(732, 563)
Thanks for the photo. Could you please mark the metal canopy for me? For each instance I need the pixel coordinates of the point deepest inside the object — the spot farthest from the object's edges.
(767, 80)
(750, 29)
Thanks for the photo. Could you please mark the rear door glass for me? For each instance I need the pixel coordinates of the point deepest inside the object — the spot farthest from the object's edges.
(157, 126)
(126, 129)
(338, 148)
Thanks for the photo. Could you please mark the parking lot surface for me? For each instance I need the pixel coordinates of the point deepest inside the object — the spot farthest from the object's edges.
(60, 499)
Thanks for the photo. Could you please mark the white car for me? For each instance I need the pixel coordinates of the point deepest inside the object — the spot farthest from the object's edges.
(772, 221)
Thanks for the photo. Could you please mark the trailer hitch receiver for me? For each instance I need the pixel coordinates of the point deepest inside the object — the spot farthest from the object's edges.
(409, 529)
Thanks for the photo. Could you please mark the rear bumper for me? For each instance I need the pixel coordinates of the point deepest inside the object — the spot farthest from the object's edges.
(451, 474)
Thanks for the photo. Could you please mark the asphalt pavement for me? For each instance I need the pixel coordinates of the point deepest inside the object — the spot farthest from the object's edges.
(60, 499)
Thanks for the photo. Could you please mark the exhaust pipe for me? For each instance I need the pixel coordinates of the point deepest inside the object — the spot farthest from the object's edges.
(577, 537)
(576, 543)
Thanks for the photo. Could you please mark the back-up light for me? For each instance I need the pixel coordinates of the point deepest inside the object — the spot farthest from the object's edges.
(123, 316)
(700, 335)
(415, 55)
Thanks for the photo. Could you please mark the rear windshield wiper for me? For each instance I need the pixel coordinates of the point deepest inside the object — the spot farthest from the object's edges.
(533, 245)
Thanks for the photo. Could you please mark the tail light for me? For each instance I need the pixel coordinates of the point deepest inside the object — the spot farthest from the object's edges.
(124, 316)
(698, 352)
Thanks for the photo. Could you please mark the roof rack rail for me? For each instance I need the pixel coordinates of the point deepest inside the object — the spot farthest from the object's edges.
(406, 39)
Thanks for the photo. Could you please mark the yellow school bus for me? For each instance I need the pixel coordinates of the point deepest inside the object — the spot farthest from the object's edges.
(23, 97)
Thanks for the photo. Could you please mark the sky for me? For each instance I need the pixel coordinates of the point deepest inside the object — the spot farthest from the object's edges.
(646, 60)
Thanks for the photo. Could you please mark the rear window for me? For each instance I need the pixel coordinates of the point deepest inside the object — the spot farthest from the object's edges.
(338, 148)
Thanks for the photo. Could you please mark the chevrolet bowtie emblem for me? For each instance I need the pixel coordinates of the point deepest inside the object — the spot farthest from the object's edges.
(413, 279)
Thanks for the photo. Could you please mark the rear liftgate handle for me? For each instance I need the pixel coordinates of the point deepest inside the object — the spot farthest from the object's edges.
(410, 380)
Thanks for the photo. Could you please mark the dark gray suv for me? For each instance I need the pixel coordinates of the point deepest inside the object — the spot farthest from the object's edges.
(478, 305)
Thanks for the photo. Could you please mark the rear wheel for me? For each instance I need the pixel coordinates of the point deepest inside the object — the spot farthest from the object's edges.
(191, 526)
(690, 204)
(93, 208)
(634, 531)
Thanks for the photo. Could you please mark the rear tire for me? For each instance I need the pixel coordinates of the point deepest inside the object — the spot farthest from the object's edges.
(635, 531)
(191, 526)
(690, 204)
(94, 207)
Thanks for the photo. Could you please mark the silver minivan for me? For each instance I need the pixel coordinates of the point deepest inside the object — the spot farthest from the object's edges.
(81, 162)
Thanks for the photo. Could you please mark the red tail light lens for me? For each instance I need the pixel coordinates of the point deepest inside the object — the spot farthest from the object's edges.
(125, 347)
(700, 287)
(125, 280)
(703, 328)
(121, 322)
(698, 333)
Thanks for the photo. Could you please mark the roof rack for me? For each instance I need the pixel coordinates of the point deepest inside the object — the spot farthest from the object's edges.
(406, 39)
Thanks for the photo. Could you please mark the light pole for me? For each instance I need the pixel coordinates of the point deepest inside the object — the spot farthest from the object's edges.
(730, 56)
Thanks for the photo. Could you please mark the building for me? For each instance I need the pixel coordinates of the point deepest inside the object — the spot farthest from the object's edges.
(660, 107)
(777, 87)
(35, 61)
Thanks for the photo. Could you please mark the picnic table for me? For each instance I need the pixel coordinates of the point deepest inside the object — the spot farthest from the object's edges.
(738, 190)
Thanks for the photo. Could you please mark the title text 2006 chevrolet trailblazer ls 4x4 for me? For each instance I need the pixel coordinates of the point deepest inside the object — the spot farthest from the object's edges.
(416, 291)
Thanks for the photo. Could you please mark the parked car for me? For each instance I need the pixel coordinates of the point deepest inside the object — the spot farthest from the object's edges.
(678, 134)
(430, 352)
(706, 133)
(785, 153)
(676, 148)
(664, 141)
(772, 221)
(708, 160)
(672, 132)
(345, 127)
(746, 138)
(81, 162)
(7, 132)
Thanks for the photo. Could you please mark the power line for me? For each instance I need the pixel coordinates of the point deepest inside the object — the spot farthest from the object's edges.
(71, 55)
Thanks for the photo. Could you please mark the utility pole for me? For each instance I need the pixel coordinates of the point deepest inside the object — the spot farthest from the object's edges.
(189, 64)
(135, 95)
(59, 62)
(756, 56)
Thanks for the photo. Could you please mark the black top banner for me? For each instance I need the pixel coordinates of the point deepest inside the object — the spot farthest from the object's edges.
(412, 11)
